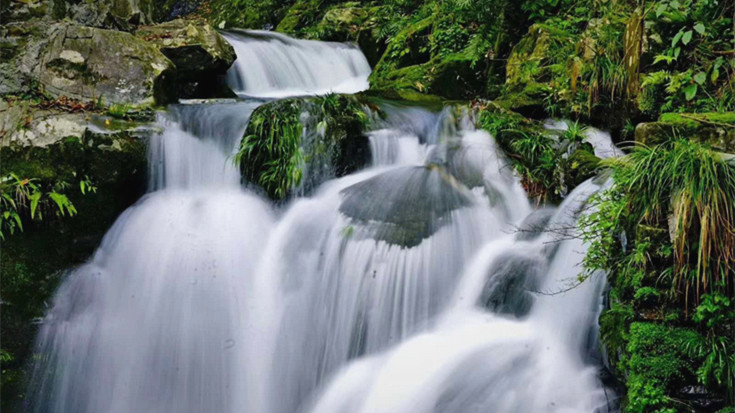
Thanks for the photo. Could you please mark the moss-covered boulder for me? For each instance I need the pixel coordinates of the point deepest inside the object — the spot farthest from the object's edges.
(201, 56)
(352, 22)
(715, 129)
(293, 145)
(193, 46)
(529, 70)
(104, 65)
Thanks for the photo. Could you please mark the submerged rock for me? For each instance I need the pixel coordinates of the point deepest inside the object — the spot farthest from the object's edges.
(104, 65)
(512, 280)
(404, 206)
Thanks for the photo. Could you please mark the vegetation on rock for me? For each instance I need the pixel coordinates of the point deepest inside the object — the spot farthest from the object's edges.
(295, 144)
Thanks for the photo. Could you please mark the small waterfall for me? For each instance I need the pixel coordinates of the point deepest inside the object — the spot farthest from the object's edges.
(273, 65)
(425, 283)
(522, 360)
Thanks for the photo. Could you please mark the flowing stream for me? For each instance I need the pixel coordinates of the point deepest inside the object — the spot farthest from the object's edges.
(423, 283)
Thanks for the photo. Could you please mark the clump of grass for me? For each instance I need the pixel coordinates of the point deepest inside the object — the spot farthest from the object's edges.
(270, 153)
(683, 186)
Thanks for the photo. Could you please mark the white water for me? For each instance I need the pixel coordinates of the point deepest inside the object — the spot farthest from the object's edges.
(273, 65)
(402, 288)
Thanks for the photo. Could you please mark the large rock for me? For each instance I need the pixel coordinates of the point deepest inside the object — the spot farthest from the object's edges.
(115, 14)
(715, 129)
(21, 45)
(404, 206)
(201, 55)
(193, 46)
(104, 65)
(318, 139)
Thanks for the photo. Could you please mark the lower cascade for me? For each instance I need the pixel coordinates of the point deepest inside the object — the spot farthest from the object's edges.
(426, 282)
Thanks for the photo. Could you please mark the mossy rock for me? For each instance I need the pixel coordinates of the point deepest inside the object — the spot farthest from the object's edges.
(293, 145)
(201, 56)
(35, 260)
(583, 165)
(193, 46)
(715, 129)
(410, 47)
(451, 77)
(104, 65)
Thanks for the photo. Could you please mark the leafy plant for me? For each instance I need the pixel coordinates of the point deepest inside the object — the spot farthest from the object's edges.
(24, 198)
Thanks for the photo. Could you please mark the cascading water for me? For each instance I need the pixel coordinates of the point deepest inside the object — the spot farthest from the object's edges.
(403, 287)
(273, 65)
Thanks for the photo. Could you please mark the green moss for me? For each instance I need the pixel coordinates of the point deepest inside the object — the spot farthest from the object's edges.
(658, 364)
(693, 120)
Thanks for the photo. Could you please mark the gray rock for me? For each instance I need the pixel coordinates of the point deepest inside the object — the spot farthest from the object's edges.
(95, 64)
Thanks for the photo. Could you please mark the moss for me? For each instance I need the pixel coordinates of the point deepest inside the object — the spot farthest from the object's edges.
(452, 77)
(583, 165)
(715, 129)
(658, 364)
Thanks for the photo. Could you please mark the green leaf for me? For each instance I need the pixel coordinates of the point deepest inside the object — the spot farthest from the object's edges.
(676, 38)
(687, 37)
(700, 78)
(660, 9)
(690, 91)
(35, 197)
(699, 28)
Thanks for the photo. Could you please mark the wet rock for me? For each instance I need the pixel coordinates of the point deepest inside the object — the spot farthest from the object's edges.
(404, 206)
(104, 65)
(511, 282)
(535, 224)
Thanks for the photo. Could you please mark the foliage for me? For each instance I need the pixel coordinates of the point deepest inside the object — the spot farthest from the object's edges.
(25, 199)
(682, 181)
(657, 361)
(664, 232)
(283, 138)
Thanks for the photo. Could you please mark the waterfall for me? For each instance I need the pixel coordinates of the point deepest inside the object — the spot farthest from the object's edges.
(273, 65)
(424, 283)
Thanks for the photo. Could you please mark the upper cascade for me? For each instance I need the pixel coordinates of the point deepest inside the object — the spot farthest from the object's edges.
(273, 65)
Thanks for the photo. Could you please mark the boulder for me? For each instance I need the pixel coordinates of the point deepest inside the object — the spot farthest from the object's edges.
(318, 138)
(104, 65)
(21, 45)
(714, 129)
(193, 46)
(113, 14)
(404, 206)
